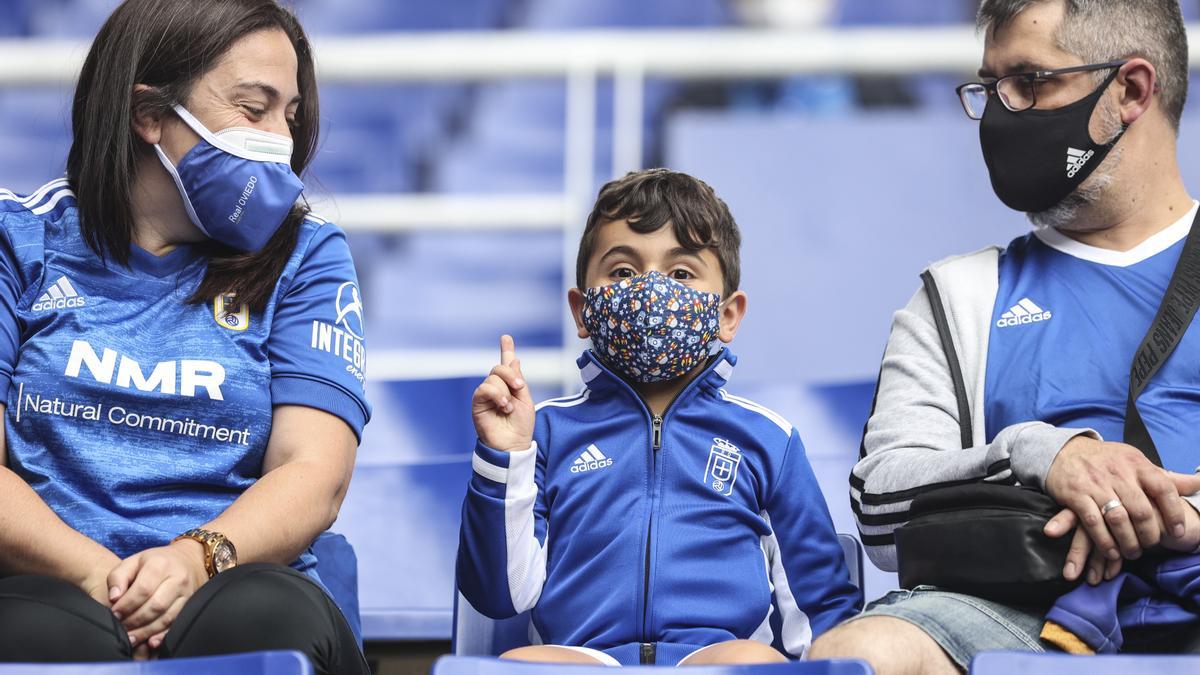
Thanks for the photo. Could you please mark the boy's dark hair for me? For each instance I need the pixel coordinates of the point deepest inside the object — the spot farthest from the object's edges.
(650, 199)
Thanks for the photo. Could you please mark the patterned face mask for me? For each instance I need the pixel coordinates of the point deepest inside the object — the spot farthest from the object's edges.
(651, 328)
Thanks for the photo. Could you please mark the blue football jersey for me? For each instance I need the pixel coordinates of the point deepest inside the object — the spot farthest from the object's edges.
(136, 415)
(1067, 321)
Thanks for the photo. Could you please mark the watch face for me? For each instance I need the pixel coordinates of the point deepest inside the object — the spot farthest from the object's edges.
(224, 557)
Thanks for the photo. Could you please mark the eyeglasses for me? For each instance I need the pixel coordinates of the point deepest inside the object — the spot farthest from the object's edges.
(1017, 92)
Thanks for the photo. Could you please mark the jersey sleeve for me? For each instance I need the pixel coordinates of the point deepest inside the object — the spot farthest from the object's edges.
(317, 344)
(501, 566)
(807, 568)
(10, 291)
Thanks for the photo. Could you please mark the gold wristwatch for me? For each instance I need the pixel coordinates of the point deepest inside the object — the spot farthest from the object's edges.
(219, 553)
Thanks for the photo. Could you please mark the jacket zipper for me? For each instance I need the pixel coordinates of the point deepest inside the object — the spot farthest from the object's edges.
(647, 651)
(647, 654)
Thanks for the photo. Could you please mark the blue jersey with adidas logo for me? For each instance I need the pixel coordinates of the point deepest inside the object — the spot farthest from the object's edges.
(1067, 320)
(135, 415)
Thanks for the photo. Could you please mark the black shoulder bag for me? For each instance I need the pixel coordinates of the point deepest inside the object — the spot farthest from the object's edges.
(986, 539)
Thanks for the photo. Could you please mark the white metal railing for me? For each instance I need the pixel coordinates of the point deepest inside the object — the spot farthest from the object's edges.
(580, 58)
(406, 57)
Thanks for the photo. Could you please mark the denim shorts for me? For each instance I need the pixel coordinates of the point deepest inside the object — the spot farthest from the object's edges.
(964, 625)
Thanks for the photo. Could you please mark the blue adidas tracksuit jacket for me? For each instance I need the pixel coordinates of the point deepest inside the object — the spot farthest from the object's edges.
(649, 537)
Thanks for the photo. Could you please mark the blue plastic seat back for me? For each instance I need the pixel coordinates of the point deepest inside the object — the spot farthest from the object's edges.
(575, 14)
(1027, 663)
(477, 635)
(337, 566)
(904, 12)
(463, 665)
(852, 550)
(255, 663)
(371, 16)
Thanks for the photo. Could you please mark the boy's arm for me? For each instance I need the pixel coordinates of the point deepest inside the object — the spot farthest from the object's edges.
(501, 549)
(807, 567)
(502, 543)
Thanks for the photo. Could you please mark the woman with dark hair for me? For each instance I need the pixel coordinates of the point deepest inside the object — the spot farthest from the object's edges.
(181, 349)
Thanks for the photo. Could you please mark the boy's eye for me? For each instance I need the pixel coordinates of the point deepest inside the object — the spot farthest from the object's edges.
(682, 275)
(623, 273)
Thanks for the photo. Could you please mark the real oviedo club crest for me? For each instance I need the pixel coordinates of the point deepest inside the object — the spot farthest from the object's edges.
(229, 313)
(722, 469)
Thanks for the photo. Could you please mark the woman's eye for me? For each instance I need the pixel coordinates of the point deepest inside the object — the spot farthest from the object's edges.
(254, 112)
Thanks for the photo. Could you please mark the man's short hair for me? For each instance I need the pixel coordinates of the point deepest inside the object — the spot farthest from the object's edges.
(653, 198)
(1105, 30)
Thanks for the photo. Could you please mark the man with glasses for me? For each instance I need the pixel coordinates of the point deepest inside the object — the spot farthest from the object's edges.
(1079, 104)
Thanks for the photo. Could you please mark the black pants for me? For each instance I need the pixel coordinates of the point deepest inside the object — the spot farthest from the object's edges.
(248, 608)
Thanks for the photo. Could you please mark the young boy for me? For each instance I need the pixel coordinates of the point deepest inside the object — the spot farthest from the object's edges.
(649, 518)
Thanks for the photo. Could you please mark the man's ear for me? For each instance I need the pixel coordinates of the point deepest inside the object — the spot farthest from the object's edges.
(1139, 83)
(731, 316)
(145, 119)
(575, 299)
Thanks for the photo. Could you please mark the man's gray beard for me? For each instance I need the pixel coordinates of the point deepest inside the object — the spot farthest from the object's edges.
(1063, 215)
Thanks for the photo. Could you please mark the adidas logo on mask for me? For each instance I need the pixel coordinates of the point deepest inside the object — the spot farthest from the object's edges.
(1076, 159)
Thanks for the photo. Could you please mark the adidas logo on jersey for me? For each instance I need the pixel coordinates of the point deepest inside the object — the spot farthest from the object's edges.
(1023, 312)
(1076, 159)
(590, 460)
(61, 295)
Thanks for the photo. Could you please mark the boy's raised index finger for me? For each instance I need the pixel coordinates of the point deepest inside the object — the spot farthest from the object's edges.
(508, 350)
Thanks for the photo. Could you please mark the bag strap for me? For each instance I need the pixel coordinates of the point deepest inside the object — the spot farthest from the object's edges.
(1175, 314)
(965, 427)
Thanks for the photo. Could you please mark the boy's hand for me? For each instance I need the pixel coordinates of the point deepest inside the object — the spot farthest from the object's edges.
(502, 407)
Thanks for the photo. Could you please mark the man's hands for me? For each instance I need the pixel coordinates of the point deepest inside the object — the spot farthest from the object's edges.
(147, 590)
(1087, 474)
(502, 407)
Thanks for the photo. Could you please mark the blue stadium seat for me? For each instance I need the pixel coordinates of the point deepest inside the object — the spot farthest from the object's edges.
(465, 665)
(16, 18)
(853, 552)
(255, 663)
(368, 16)
(69, 18)
(1191, 10)
(515, 136)
(441, 276)
(569, 14)
(883, 12)
(402, 509)
(477, 635)
(35, 135)
(337, 565)
(1006, 663)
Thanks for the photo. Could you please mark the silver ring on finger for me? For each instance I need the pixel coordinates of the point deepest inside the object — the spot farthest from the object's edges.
(1110, 505)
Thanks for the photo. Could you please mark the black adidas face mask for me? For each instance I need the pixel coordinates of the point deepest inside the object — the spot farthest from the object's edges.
(1038, 157)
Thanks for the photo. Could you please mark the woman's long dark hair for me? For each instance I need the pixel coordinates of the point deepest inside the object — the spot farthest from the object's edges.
(169, 45)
